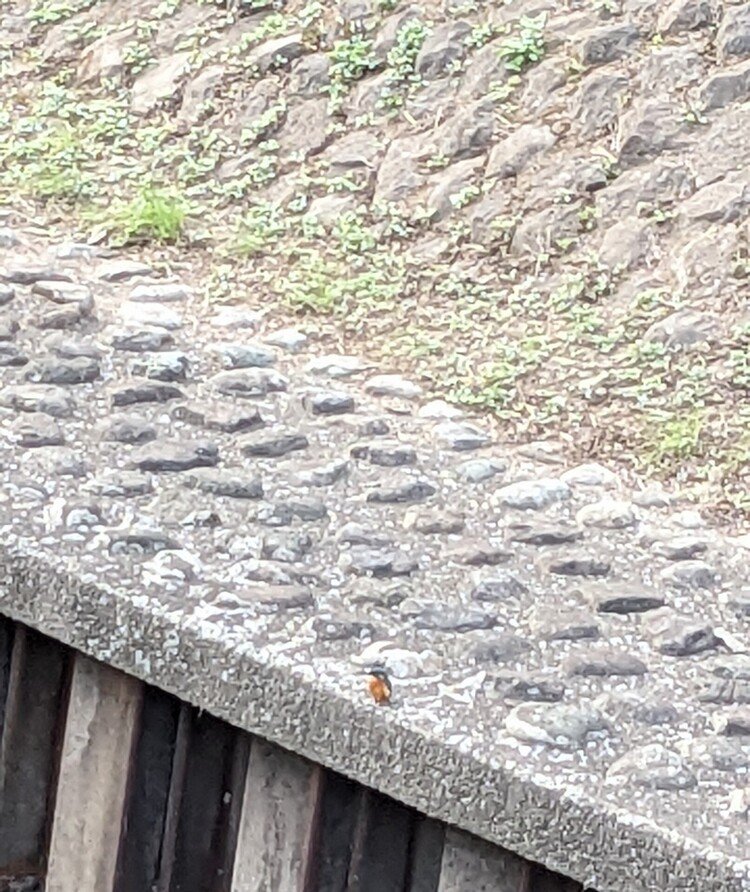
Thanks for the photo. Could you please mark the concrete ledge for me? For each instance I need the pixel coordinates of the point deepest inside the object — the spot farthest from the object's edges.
(581, 837)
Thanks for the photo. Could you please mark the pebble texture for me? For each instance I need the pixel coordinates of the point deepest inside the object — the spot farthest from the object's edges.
(249, 526)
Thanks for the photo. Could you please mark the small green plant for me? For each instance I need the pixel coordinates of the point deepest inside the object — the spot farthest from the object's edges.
(465, 196)
(400, 62)
(350, 60)
(524, 46)
(480, 35)
(260, 227)
(50, 12)
(153, 215)
(353, 234)
(672, 438)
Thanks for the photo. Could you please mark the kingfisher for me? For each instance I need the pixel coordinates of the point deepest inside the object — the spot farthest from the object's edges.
(379, 686)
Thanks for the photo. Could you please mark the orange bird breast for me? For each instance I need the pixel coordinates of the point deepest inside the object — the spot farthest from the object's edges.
(380, 690)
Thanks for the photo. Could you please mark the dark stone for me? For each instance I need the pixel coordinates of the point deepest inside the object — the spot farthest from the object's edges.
(274, 598)
(478, 554)
(604, 664)
(37, 430)
(180, 456)
(331, 402)
(386, 455)
(146, 542)
(123, 484)
(529, 689)
(625, 602)
(326, 475)
(46, 398)
(269, 445)
(355, 534)
(249, 383)
(167, 367)
(607, 44)
(228, 419)
(227, 483)
(415, 491)
(375, 427)
(564, 624)
(142, 341)
(56, 371)
(11, 356)
(450, 619)
(62, 318)
(146, 393)
(543, 534)
(500, 587)
(130, 429)
(679, 636)
(579, 565)
(380, 562)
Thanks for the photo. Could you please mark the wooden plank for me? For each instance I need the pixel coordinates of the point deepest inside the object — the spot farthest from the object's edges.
(174, 797)
(425, 854)
(149, 786)
(334, 839)
(99, 736)
(279, 811)
(6, 645)
(202, 857)
(29, 750)
(472, 865)
(380, 855)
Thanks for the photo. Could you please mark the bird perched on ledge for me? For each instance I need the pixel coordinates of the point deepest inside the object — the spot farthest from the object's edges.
(379, 686)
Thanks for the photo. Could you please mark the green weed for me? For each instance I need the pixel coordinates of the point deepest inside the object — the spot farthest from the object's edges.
(153, 215)
(524, 46)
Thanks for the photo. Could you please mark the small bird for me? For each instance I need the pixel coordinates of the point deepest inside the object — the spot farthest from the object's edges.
(379, 686)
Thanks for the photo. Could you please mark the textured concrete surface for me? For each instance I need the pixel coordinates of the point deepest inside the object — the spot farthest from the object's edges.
(249, 527)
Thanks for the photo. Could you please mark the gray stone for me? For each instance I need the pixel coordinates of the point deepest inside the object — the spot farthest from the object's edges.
(510, 156)
(35, 430)
(725, 87)
(57, 371)
(121, 484)
(325, 475)
(578, 564)
(331, 402)
(625, 600)
(543, 533)
(227, 419)
(557, 725)
(529, 689)
(393, 385)
(499, 587)
(607, 43)
(448, 619)
(46, 398)
(680, 548)
(365, 560)
(654, 767)
(687, 15)
(159, 83)
(684, 328)
(608, 514)
(142, 341)
(434, 523)
(477, 470)
(461, 437)
(403, 493)
(225, 483)
(169, 367)
(604, 664)
(679, 636)
(442, 49)
(243, 356)
(722, 202)
(564, 624)
(715, 753)
(477, 553)
(249, 383)
(131, 429)
(123, 270)
(178, 456)
(274, 445)
(498, 647)
(690, 575)
(277, 52)
(533, 494)
(330, 629)
(146, 393)
(386, 454)
(733, 38)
